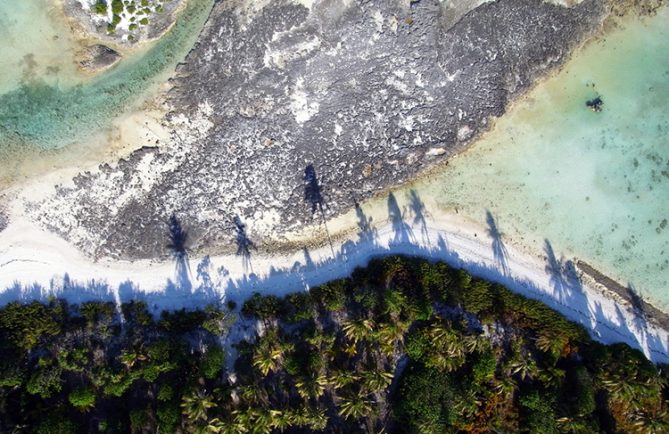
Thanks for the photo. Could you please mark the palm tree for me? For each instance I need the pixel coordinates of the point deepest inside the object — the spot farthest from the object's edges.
(475, 343)
(359, 329)
(129, 358)
(254, 394)
(256, 421)
(342, 378)
(445, 339)
(505, 387)
(318, 337)
(218, 426)
(651, 423)
(389, 333)
(268, 354)
(355, 406)
(375, 381)
(573, 426)
(444, 361)
(283, 420)
(525, 367)
(263, 421)
(195, 405)
(552, 377)
(551, 343)
(394, 301)
(311, 417)
(628, 390)
(311, 387)
(266, 359)
(468, 405)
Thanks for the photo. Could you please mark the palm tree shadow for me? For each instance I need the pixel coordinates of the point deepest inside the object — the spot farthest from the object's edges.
(564, 278)
(314, 197)
(244, 244)
(402, 233)
(177, 246)
(420, 213)
(366, 231)
(498, 248)
(554, 269)
(638, 304)
(312, 189)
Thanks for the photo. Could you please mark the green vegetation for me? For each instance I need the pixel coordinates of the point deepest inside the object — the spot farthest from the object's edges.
(67, 368)
(117, 7)
(401, 346)
(101, 7)
(131, 10)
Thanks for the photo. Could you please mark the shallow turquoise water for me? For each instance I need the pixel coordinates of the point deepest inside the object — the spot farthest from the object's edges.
(596, 185)
(52, 108)
(35, 43)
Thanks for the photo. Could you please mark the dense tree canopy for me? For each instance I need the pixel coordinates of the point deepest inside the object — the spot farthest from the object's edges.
(403, 345)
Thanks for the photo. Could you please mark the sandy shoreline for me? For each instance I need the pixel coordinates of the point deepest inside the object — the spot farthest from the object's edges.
(35, 264)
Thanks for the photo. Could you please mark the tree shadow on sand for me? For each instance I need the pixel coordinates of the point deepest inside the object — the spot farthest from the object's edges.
(498, 248)
(244, 244)
(563, 275)
(177, 246)
(562, 291)
(419, 214)
(312, 189)
(637, 301)
(402, 232)
(314, 197)
(366, 229)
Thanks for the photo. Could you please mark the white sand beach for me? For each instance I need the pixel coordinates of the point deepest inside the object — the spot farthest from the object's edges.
(36, 264)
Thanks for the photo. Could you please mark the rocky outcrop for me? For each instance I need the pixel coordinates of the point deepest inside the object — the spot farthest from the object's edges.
(367, 93)
(98, 57)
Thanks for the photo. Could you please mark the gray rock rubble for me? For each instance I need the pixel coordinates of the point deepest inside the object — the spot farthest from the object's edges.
(369, 93)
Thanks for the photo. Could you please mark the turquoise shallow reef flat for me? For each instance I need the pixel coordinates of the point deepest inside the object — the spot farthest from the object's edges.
(35, 44)
(45, 110)
(596, 185)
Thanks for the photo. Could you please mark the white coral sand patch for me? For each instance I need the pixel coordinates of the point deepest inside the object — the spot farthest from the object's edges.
(407, 122)
(190, 130)
(433, 152)
(464, 132)
(263, 221)
(300, 106)
(397, 84)
(377, 16)
(279, 58)
(86, 4)
(306, 3)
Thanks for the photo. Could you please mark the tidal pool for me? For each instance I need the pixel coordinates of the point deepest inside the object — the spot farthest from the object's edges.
(596, 185)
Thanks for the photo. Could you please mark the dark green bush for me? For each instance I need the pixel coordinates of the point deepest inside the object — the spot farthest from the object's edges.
(101, 7)
(425, 401)
(263, 307)
(332, 295)
(117, 6)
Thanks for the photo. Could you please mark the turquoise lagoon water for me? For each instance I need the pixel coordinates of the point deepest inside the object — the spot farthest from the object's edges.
(596, 185)
(45, 104)
(35, 43)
